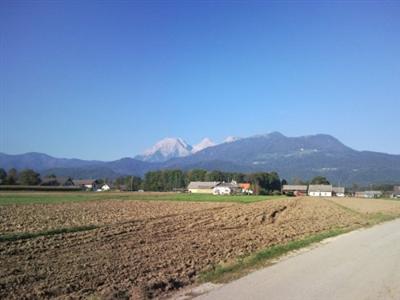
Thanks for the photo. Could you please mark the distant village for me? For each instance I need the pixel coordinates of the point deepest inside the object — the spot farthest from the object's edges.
(313, 190)
(178, 181)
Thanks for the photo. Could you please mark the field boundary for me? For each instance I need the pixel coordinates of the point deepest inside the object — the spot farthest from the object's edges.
(244, 265)
(46, 197)
(29, 235)
(371, 219)
(40, 188)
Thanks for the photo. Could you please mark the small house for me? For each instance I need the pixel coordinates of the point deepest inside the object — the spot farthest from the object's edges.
(295, 190)
(396, 191)
(86, 184)
(202, 187)
(338, 191)
(226, 188)
(246, 188)
(320, 190)
(369, 194)
(104, 187)
(222, 190)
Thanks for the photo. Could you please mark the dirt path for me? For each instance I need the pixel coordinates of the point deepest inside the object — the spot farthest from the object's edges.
(364, 264)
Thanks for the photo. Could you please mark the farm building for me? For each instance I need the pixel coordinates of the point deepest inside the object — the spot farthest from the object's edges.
(202, 187)
(246, 188)
(296, 190)
(320, 190)
(338, 191)
(103, 187)
(396, 191)
(222, 190)
(56, 181)
(369, 194)
(87, 184)
(226, 188)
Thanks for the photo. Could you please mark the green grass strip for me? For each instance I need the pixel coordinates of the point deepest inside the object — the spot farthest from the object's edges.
(29, 235)
(19, 198)
(223, 273)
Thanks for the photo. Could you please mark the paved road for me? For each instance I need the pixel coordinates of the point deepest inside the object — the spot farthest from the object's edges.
(360, 265)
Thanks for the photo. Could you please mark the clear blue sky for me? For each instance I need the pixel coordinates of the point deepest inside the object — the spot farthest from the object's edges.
(104, 80)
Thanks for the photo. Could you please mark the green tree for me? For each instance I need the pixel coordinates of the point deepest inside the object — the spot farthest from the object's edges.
(259, 182)
(264, 183)
(215, 176)
(153, 181)
(12, 176)
(3, 176)
(274, 182)
(133, 183)
(173, 179)
(196, 175)
(298, 181)
(29, 177)
(238, 177)
(319, 180)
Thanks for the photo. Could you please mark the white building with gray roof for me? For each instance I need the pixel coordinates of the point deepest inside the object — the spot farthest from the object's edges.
(202, 187)
(320, 190)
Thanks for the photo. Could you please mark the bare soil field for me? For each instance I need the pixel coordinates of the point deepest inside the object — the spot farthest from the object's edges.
(39, 217)
(146, 249)
(370, 206)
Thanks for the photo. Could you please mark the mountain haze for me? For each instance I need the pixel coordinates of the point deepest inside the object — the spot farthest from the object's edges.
(292, 157)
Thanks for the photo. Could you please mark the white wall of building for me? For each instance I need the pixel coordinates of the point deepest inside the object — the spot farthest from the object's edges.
(222, 190)
(320, 194)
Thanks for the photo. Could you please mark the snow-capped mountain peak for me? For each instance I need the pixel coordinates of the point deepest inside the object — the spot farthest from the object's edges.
(166, 149)
(205, 143)
(231, 139)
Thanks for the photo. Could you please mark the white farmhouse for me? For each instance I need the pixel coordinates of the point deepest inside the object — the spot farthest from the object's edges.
(320, 190)
(202, 187)
(105, 187)
(338, 191)
(226, 188)
(222, 190)
(87, 184)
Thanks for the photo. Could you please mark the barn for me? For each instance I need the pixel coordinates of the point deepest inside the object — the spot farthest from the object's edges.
(320, 190)
(295, 190)
(202, 187)
(338, 191)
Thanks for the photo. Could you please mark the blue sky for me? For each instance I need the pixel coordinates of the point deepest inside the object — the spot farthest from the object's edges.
(105, 80)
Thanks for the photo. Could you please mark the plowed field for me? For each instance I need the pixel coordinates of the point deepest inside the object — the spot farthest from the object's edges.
(145, 249)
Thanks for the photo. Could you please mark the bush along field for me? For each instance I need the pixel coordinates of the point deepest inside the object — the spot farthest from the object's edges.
(91, 245)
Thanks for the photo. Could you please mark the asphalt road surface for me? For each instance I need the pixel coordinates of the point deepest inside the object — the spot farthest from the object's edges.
(361, 265)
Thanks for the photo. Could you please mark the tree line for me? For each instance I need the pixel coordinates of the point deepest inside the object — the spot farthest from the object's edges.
(169, 180)
(25, 177)
(164, 180)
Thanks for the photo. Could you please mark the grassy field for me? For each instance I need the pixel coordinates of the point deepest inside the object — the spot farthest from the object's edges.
(8, 198)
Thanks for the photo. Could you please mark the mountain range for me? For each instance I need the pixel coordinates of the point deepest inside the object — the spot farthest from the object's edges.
(171, 148)
(176, 147)
(292, 157)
